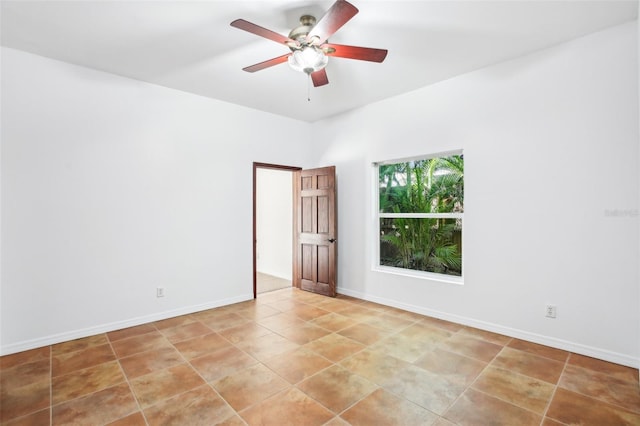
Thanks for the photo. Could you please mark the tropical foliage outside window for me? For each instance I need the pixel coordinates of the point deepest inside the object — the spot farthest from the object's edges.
(421, 206)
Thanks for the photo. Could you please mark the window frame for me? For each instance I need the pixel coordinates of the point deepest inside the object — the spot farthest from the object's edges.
(377, 215)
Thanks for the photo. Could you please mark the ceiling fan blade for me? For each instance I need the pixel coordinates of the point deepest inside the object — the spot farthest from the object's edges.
(267, 64)
(262, 32)
(319, 78)
(355, 52)
(338, 15)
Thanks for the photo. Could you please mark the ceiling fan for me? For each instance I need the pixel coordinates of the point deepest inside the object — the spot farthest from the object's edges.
(309, 44)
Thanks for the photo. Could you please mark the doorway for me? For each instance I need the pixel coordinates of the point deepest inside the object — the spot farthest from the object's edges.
(272, 227)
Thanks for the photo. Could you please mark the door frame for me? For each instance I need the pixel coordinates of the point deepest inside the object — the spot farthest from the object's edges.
(256, 166)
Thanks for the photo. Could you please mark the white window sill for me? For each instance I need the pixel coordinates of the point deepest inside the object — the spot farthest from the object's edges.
(449, 279)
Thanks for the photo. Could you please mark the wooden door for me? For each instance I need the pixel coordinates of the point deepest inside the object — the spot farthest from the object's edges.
(315, 230)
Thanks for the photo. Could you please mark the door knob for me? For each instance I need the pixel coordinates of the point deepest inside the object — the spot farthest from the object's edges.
(332, 240)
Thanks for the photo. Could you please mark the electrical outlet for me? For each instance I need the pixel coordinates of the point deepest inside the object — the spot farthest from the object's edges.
(160, 292)
(551, 311)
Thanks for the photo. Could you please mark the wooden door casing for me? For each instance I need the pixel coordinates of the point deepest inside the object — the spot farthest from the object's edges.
(257, 166)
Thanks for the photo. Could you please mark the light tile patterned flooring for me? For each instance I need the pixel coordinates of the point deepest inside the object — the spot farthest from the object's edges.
(296, 358)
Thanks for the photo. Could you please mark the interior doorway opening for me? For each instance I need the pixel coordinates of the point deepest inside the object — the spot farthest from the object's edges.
(272, 227)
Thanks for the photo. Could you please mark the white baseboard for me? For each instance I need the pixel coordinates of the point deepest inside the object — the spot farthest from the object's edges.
(117, 325)
(553, 342)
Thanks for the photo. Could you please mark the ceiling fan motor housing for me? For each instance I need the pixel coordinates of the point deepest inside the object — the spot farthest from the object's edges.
(300, 33)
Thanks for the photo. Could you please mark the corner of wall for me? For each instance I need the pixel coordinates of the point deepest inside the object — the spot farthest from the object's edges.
(638, 65)
(0, 194)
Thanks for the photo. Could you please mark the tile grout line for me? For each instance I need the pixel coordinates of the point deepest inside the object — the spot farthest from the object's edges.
(612, 404)
(295, 385)
(290, 385)
(126, 379)
(333, 363)
(188, 362)
(366, 347)
(117, 360)
(185, 361)
(470, 384)
(544, 414)
(211, 384)
(366, 396)
(555, 389)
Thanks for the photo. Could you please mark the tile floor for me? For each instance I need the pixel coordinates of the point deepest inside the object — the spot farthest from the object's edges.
(295, 358)
(266, 283)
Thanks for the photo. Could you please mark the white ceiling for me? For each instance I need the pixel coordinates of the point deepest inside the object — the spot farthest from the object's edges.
(190, 46)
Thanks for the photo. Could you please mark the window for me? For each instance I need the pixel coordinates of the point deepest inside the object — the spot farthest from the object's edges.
(420, 214)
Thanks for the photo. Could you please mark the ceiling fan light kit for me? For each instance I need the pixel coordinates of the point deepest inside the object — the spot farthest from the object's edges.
(309, 45)
(306, 56)
(308, 60)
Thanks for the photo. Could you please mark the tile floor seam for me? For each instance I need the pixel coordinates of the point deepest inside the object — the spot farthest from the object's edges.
(395, 331)
(304, 379)
(225, 401)
(439, 346)
(206, 383)
(510, 403)
(535, 355)
(256, 404)
(469, 386)
(612, 404)
(210, 384)
(126, 379)
(555, 389)
(567, 364)
(334, 364)
(363, 398)
(514, 339)
(596, 372)
(110, 341)
(543, 414)
(314, 399)
(219, 378)
(86, 394)
(185, 360)
(183, 393)
(392, 393)
(404, 398)
(90, 394)
(192, 337)
(517, 373)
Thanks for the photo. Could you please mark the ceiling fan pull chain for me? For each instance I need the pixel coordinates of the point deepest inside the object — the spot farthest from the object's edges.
(308, 87)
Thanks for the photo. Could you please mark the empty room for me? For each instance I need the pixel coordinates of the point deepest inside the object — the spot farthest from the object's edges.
(319, 212)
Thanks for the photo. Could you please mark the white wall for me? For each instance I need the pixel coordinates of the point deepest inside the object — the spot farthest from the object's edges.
(551, 150)
(112, 187)
(274, 205)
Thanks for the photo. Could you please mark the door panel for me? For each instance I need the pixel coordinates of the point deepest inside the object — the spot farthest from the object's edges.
(307, 214)
(315, 230)
(323, 264)
(323, 218)
(307, 262)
